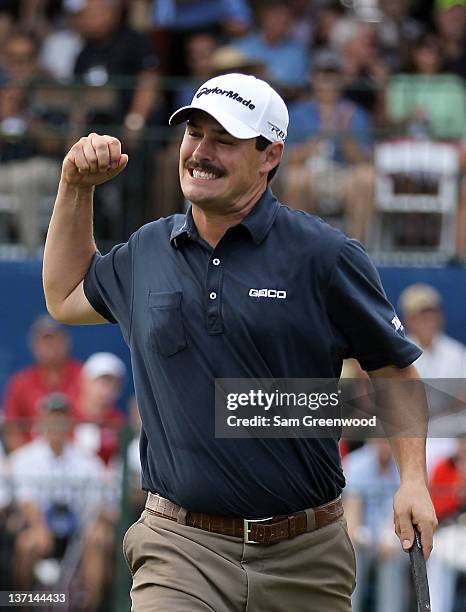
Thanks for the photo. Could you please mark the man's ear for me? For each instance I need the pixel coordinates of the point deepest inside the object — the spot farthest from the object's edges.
(272, 155)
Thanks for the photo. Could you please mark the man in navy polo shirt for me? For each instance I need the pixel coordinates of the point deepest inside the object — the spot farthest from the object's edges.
(239, 287)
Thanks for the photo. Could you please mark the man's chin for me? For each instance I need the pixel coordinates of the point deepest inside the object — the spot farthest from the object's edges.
(201, 197)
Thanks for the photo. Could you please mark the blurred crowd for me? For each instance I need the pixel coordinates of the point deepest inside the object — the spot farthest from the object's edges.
(67, 449)
(354, 74)
(70, 472)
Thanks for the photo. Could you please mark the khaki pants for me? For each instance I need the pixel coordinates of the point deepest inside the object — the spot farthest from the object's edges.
(177, 568)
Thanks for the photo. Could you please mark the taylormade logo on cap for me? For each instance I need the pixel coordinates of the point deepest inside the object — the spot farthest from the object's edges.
(245, 106)
(234, 95)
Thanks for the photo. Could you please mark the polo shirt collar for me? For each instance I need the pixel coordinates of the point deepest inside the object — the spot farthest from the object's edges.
(183, 229)
(258, 221)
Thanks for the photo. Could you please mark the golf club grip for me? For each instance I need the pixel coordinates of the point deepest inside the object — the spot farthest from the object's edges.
(419, 571)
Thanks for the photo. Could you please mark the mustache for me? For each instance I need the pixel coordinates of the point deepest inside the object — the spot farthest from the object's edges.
(204, 166)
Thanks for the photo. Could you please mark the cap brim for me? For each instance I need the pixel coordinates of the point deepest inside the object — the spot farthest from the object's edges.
(232, 125)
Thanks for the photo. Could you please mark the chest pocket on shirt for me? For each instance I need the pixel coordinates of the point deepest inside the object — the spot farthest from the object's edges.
(166, 322)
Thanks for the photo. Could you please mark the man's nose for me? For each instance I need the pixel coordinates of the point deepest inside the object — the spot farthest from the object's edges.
(204, 150)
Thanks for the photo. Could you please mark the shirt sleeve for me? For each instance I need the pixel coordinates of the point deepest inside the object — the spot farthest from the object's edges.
(361, 313)
(108, 284)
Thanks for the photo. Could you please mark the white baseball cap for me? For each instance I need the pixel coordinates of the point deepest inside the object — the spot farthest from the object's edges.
(104, 364)
(244, 105)
(419, 297)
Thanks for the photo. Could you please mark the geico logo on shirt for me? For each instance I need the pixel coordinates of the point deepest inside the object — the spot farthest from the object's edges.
(269, 293)
(234, 95)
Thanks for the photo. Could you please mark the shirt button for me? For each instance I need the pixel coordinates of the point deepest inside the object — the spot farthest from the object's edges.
(213, 295)
(216, 261)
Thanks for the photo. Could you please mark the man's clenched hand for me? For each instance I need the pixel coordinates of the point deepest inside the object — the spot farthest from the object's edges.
(412, 505)
(93, 160)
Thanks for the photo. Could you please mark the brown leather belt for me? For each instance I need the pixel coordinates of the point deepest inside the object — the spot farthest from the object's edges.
(252, 531)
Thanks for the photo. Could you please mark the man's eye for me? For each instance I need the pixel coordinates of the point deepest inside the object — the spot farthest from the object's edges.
(193, 134)
(226, 142)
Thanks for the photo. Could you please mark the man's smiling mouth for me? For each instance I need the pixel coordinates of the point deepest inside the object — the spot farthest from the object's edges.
(202, 174)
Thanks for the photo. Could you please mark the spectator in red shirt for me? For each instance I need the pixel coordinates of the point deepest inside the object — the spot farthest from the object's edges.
(103, 375)
(448, 491)
(448, 484)
(53, 371)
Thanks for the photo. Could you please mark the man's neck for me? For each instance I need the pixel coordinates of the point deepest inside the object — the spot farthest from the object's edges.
(212, 225)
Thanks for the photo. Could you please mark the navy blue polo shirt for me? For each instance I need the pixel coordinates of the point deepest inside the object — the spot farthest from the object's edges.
(189, 316)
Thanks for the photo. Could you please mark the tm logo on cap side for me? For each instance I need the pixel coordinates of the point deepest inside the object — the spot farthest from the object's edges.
(234, 95)
(276, 130)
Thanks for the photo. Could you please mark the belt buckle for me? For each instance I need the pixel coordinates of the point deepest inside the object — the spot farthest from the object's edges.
(247, 531)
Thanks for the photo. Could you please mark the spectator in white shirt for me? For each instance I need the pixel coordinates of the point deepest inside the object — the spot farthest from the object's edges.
(443, 357)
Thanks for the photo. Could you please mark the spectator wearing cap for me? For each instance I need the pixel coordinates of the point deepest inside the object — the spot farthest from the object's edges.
(443, 357)
(102, 377)
(59, 489)
(286, 60)
(450, 21)
(53, 371)
(330, 145)
(227, 59)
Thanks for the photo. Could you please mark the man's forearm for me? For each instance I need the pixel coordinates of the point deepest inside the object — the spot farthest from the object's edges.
(70, 245)
(410, 457)
(401, 398)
